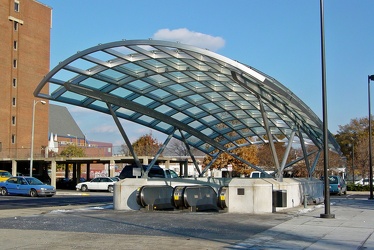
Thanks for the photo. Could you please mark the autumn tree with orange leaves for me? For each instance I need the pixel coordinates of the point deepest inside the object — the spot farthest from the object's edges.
(248, 153)
(146, 145)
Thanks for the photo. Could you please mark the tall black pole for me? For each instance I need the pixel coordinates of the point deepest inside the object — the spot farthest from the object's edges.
(370, 135)
(327, 213)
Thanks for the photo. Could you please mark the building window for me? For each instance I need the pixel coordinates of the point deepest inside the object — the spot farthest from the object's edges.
(16, 6)
(15, 63)
(14, 101)
(15, 45)
(14, 82)
(13, 139)
(13, 120)
(15, 25)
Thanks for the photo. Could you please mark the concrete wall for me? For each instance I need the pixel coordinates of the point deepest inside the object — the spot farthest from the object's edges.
(253, 196)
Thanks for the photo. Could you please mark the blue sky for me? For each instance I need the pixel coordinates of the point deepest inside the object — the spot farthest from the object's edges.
(280, 38)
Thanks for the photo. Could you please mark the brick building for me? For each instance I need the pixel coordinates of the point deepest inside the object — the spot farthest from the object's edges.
(24, 60)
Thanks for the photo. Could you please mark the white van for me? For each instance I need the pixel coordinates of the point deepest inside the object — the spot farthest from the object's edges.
(258, 174)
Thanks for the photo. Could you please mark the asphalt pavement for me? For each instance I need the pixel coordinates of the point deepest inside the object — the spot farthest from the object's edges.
(100, 227)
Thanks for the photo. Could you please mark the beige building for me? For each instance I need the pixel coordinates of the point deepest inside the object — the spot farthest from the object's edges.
(24, 60)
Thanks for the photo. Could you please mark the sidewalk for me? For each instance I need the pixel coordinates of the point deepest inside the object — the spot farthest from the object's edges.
(352, 228)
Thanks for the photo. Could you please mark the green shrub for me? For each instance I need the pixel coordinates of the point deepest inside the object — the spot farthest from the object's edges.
(357, 187)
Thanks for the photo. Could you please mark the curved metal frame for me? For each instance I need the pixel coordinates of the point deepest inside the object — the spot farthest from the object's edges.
(212, 100)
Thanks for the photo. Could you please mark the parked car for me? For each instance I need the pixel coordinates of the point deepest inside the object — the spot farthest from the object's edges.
(337, 185)
(258, 174)
(363, 182)
(132, 171)
(116, 178)
(43, 178)
(26, 185)
(4, 175)
(98, 183)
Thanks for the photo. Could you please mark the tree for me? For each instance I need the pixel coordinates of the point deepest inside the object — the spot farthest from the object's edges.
(248, 153)
(124, 150)
(178, 148)
(335, 162)
(73, 151)
(353, 141)
(265, 155)
(146, 145)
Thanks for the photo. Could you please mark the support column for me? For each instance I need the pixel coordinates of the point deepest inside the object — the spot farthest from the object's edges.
(79, 171)
(185, 164)
(67, 170)
(14, 167)
(53, 173)
(112, 167)
(75, 173)
(268, 132)
(88, 171)
(124, 136)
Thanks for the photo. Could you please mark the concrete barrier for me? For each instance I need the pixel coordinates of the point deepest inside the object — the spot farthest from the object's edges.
(244, 195)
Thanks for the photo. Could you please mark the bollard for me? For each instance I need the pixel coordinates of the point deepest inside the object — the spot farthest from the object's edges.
(305, 200)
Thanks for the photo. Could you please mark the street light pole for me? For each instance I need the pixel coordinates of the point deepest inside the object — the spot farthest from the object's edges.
(353, 166)
(370, 78)
(327, 213)
(32, 135)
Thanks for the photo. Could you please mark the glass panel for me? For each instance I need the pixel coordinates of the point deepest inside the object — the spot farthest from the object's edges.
(210, 106)
(65, 75)
(158, 78)
(194, 110)
(214, 95)
(133, 67)
(100, 104)
(196, 85)
(164, 126)
(112, 74)
(139, 84)
(177, 74)
(179, 102)
(123, 50)
(180, 116)
(74, 96)
(177, 88)
(154, 63)
(93, 83)
(102, 56)
(196, 98)
(207, 131)
(209, 119)
(82, 64)
(146, 119)
(126, 112)
(177, 62)
(120, 92)
(259, 130)
(163, 109)
(160, 93)
(195, 124)
(142, 100)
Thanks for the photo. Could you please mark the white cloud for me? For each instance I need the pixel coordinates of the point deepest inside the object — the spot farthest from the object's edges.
(186, 36)
(104, 129)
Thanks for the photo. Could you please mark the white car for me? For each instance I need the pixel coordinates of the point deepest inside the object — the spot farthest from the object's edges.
(364, 182)
(98, 183)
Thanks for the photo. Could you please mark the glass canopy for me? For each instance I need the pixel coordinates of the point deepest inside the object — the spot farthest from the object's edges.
(212, 100)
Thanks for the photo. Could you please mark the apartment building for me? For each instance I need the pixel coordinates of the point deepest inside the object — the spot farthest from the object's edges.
(24, 60)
